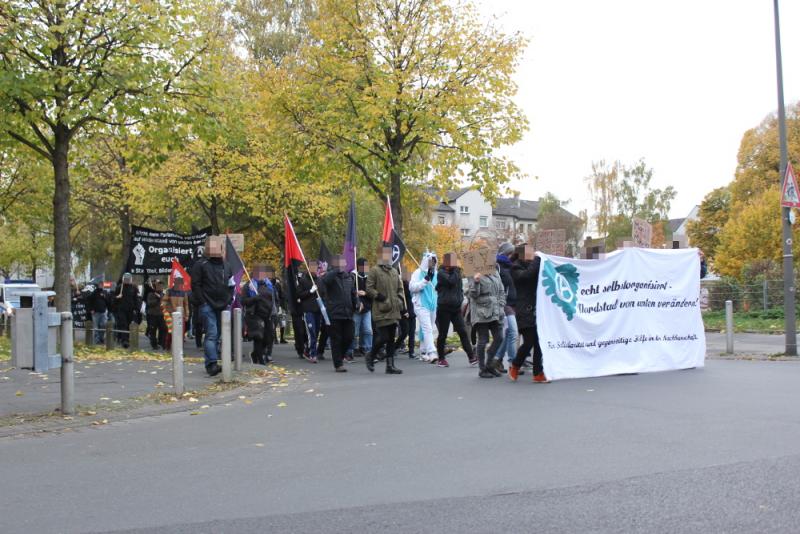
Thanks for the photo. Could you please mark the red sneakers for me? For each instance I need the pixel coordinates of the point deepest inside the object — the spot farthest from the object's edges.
(540, 379)
(513, 372)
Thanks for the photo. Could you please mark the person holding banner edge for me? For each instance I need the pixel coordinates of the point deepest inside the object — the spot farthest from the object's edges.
(525, 274)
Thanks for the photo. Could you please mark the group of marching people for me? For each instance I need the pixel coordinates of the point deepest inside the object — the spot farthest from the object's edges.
(373, 311)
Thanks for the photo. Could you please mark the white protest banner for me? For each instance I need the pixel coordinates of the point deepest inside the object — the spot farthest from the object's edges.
(635, 311)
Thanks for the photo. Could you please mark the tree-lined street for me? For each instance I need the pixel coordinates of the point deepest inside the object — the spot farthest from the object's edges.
(438, 450)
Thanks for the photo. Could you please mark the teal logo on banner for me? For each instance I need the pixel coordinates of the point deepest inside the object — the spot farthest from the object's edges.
(561, 285)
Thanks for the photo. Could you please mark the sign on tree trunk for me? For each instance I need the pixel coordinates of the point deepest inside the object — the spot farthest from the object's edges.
(642, 233)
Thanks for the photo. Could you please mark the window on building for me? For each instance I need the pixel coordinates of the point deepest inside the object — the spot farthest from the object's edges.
(501, 224)
(530, 227)
(484, 222)
(463, 209)
(442, 219)
(465, 232)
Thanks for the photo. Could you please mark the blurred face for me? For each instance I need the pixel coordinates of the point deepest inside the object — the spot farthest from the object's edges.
(529, 253)
(339, 263)
(313, 265)
(363, 268)
(386, 256)
(450, 260)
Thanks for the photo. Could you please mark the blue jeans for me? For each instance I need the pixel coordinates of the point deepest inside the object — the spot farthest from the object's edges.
(210, 320)
(509, 346)
(313, 322)
(363, 332)
(99, 321)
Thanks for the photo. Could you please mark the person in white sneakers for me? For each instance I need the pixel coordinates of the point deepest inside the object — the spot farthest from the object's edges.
(423, 293)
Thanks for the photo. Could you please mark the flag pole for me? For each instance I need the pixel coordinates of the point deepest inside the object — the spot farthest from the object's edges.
(400, 277)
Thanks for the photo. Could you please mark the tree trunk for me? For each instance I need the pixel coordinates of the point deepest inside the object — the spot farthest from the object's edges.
(214, 217)
(397, 203)
(61, 245)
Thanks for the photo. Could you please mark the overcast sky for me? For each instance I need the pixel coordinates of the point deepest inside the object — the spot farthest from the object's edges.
(676, 82)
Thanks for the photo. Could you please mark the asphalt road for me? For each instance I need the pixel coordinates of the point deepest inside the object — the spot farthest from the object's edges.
(434, 450)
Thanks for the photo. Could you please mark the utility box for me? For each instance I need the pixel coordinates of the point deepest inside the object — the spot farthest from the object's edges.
(34, 333)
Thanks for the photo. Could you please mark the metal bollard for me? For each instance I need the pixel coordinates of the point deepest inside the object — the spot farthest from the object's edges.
(110, 334)
(67, 371)
(729, 326)
(225, 337)
(237, 339)
(766, 296)
(133, 336)
(88, 333)
(177, 352)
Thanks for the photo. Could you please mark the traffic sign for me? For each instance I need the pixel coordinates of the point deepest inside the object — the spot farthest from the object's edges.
(789, 196)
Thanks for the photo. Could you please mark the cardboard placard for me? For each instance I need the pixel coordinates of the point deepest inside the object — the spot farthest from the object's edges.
(553, 242)
(481, 261)
(642, 233)
(238, 242)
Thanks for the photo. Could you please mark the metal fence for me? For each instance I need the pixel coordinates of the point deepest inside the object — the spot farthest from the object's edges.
(761, 295)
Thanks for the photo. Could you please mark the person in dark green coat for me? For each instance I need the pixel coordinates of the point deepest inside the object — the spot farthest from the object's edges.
(386, 291)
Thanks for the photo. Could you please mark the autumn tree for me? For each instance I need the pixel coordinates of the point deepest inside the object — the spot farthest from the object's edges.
(553, 216)
(742, 224)
(622, 192)
(758, 159)
(714, 212)
(69, 65)
(406, 93)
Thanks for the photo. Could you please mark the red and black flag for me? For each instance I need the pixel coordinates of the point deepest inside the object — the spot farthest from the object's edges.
(390, 237)
(292, 260)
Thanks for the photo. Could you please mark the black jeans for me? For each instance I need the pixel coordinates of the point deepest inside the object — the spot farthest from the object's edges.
(384, 335)
(530, 340)
(408, 328)
(300, 335)
(444, 318)
(197, 325)
(262, 345)
(483, 339)
(341, 334)
(157, 330)
(322, 340)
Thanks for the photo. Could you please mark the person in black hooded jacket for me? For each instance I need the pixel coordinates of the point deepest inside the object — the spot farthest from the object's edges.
(525, 273)
(338, 292)
(258, 319)
(450, 297)
(212, 293)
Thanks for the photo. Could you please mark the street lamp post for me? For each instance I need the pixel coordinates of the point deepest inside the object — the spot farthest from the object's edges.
(790, 325)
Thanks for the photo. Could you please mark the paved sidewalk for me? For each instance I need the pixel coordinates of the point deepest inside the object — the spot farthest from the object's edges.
(101, 384)
(745, 345)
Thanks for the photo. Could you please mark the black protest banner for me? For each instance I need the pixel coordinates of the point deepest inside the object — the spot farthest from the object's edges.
(152, 251)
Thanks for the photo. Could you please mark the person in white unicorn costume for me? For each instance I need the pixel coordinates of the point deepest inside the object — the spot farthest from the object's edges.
(423, 293)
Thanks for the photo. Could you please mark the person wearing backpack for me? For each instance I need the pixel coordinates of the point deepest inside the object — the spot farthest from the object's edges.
(258, 310)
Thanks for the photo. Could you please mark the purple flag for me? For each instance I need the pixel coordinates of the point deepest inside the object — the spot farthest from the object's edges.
(349, 251)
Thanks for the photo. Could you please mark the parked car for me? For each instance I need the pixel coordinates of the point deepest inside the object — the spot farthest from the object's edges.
(10, 292)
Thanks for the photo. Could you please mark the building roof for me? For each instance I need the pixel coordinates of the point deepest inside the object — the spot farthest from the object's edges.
(521, 209)
(445, 207)
(674, 224)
